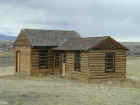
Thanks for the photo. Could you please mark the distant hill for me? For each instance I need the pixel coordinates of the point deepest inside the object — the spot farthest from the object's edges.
(7, 37)
(134, 48)
(131, 43)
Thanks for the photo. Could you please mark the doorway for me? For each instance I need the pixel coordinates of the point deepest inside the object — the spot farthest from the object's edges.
(18, 53)
(60, 63)
(64, 64)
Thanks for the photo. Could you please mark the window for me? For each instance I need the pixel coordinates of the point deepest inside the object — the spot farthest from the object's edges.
(77, 60)
(43, 59)
(57, 60)
(110, 62)
(65, 58)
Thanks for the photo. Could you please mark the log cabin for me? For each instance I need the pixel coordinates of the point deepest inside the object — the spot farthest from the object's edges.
(65, 53)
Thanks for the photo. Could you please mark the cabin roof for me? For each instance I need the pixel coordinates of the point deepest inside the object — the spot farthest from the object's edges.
(88, 43)
(39, 37)
(66, 40)
(80, 43)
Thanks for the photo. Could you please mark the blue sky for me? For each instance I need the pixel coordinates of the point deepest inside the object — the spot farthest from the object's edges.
(118, 18)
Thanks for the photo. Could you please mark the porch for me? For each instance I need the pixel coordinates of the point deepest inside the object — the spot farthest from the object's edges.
(45, 61)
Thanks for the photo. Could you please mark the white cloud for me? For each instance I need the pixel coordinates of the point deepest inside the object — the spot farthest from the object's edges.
(120, 18)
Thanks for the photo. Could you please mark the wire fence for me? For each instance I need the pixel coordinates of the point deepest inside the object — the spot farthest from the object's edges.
(6, 61)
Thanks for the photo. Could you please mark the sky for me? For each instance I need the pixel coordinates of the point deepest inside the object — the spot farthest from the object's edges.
(117, 18)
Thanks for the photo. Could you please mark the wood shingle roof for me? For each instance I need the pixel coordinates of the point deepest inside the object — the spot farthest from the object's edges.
(66, 40)
(96, 43)
(80, 43)
(38, 37)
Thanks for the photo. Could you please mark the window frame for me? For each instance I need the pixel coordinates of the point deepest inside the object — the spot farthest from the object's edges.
(64, 58)
(110, 62)
(77, 60)
(43, 60)
(57, 60)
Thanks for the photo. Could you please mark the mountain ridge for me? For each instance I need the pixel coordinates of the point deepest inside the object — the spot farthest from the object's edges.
(7, 37)
(134, 48)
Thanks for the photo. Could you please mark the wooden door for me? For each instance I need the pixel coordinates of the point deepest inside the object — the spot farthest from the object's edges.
(18, 61)
(63, 65)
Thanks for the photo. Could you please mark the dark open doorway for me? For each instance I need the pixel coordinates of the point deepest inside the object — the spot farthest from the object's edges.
(18, 53)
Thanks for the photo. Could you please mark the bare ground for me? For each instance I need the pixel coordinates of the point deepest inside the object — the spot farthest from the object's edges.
(53, 90)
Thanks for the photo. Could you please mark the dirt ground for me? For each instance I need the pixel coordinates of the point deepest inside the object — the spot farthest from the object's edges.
(51, 90)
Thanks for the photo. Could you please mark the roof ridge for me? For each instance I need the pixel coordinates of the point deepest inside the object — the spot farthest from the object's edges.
(98, 37)
(48, 29)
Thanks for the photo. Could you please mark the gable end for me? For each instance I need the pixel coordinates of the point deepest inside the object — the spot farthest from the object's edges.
(22, 40)
(109, 44)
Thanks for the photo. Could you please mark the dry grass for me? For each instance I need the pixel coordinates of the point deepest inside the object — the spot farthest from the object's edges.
(8, 53)
(6, 71)
(133, 67)
(58, 91)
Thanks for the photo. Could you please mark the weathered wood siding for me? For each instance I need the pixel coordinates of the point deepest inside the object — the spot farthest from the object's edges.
(35, 63)
(23, 46)
(109, 44)
(92, 64)
(70, 65)
(25, 59)
(21, 40)
(96, 66)
(71, 73)
(84, 66)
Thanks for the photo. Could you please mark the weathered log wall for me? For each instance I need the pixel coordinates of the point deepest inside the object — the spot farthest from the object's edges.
(35, 62)
(96, 66)
(93, 66)
(25, 59)
(84, 66)
(69, 64)
(71, 73)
